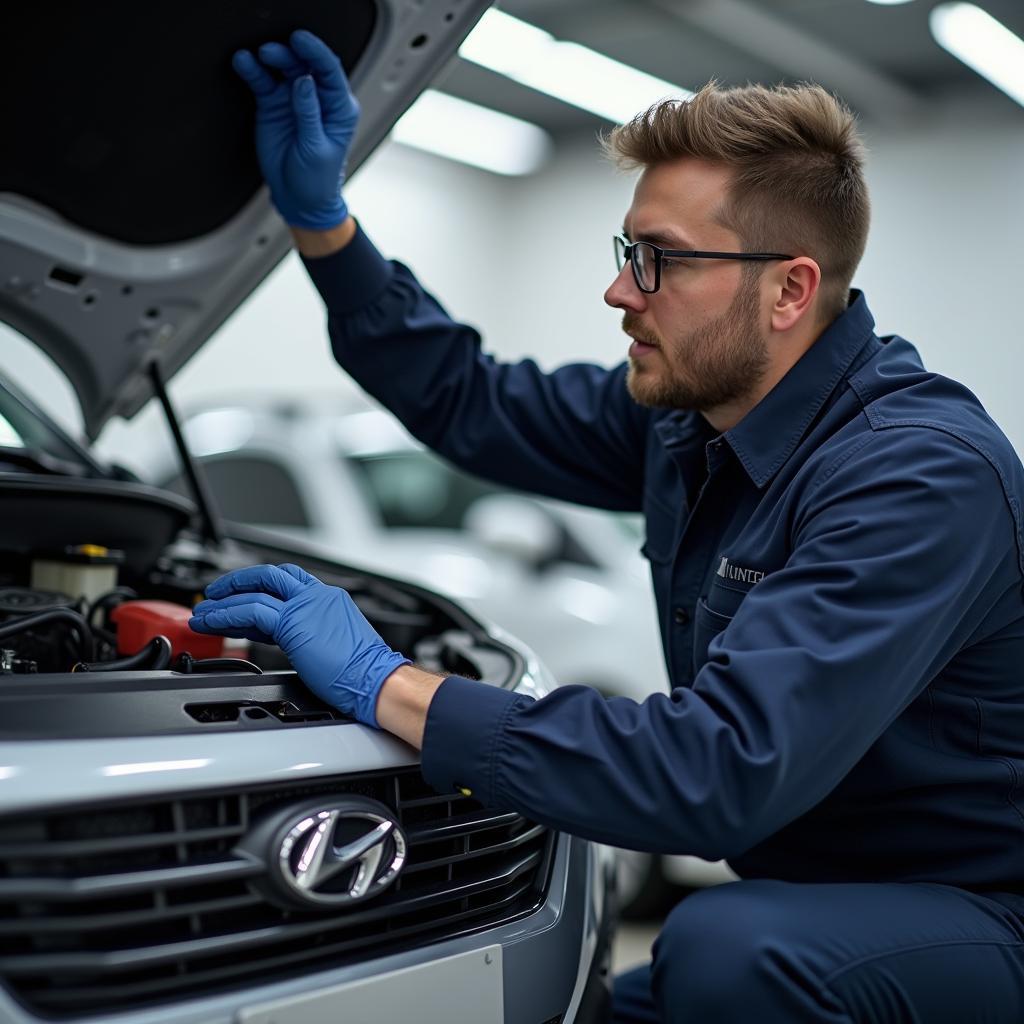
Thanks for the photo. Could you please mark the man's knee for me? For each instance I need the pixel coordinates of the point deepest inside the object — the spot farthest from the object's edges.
(723, 950)
(697, 954)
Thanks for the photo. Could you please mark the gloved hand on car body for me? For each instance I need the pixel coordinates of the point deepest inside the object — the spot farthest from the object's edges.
(305, 121)
(335, 651)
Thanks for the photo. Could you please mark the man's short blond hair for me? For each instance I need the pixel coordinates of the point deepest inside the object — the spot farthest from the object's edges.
(798, 170)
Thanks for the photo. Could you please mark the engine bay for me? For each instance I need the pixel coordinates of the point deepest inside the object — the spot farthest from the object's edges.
(94, 637)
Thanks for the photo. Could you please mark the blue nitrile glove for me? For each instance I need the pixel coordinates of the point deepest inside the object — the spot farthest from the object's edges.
(304, 126)
(334, 649)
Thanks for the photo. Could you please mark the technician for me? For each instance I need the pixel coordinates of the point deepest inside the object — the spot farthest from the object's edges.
(835, 541)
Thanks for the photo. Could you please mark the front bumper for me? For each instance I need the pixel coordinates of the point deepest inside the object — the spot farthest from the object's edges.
(553, 960)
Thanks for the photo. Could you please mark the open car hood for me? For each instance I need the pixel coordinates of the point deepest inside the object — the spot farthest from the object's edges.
(133, 216)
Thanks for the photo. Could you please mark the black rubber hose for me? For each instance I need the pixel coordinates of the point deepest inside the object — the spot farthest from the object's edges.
(105, 635)
(157, 651)
(183, 663)
(115, 596)
(87, 646)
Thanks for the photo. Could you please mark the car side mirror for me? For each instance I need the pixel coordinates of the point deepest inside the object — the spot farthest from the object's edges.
(512, 525)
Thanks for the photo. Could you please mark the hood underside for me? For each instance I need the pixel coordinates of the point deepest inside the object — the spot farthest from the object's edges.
(133, 217)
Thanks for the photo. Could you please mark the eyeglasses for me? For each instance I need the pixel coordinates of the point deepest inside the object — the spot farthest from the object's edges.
(647, 258)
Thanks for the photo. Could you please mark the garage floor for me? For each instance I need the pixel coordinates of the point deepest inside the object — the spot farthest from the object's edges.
(632, 944)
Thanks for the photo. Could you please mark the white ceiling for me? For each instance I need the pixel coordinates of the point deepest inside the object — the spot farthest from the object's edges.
(881, 59)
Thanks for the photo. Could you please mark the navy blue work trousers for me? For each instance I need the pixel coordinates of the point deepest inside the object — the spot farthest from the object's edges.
(771, 952)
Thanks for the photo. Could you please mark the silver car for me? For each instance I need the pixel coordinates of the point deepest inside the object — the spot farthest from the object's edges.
(187, 834)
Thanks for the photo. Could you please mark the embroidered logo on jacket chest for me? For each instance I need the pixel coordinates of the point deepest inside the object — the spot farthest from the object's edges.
(730, 571)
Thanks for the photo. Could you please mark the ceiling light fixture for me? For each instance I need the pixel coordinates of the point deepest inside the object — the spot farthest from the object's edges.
(888, 3)
(568, 71)
(983, 44)
(475, 135)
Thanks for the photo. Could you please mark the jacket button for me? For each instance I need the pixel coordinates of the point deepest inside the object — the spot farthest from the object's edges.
(681, 616)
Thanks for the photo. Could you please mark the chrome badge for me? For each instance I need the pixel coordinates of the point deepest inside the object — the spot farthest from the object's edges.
(337, 852)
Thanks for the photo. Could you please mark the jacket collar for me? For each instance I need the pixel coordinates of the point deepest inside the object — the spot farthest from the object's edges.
(768, 434)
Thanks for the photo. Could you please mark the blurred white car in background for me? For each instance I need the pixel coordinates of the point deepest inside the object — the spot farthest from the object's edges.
(567, 580)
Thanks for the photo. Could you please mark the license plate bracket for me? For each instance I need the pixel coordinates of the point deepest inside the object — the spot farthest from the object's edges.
(466, 988)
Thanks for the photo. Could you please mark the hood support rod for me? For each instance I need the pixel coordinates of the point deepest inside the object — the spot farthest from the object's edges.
(211, 528)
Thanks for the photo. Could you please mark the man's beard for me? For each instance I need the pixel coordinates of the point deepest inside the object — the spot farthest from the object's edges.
(723, 361)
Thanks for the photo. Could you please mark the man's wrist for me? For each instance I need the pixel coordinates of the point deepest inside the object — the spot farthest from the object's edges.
(404, 700)
(315, 244)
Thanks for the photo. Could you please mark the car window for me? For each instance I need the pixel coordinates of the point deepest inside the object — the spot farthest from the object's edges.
(250, 489)
(9, 437)
(415, 489)
(26, 432)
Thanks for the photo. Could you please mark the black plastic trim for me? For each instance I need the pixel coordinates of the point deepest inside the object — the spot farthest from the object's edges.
(235, 935)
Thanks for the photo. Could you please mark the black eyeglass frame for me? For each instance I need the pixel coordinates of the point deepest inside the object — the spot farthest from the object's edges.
(629, 247)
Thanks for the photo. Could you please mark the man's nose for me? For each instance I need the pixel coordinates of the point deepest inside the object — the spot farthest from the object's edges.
(623, 292)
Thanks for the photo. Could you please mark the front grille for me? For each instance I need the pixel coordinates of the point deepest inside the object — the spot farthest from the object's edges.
(108, 908)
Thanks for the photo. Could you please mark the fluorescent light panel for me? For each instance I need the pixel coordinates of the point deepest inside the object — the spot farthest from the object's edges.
(985, 45)
(567, 71)
(453, 128)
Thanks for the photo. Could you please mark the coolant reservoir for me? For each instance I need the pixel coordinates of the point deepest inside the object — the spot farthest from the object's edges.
(139, 621)
(82, 570)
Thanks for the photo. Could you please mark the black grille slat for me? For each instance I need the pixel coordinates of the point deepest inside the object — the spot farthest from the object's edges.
(115, 960)
(115, 885)
(79, 934)
(148, 916)
(484, 851)
(459, 825)
(323, 956)
(101, 847)
(432, 801)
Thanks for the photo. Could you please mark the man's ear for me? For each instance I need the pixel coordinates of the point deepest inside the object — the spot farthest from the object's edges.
(797, 283)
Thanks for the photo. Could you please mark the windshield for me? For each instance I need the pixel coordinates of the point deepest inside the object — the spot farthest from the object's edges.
(29, 441)
(416, 489)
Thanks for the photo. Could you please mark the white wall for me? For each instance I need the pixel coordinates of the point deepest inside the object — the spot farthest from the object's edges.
(436, 215)
(943, 265)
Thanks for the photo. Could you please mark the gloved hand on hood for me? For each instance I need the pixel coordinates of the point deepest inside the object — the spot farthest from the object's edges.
(306, 117)
(335, 651)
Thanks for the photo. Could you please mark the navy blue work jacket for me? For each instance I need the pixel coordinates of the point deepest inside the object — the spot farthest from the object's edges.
(839, 583)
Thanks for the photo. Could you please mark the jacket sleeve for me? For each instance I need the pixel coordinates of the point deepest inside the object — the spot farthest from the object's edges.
(573, 434)
(897, 558)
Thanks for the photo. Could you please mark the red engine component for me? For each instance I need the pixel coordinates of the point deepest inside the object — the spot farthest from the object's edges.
(139, 621)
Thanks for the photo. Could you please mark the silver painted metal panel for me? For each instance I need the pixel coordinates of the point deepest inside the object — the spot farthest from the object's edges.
(41, 774)
(105, 347)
